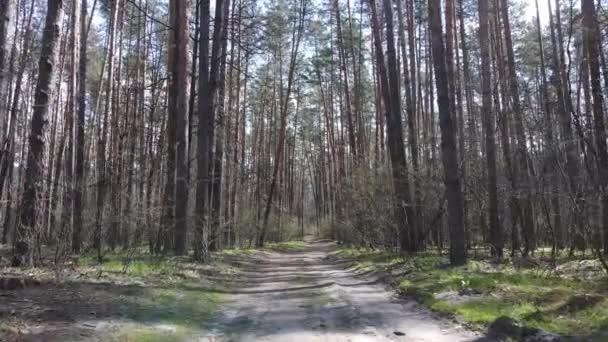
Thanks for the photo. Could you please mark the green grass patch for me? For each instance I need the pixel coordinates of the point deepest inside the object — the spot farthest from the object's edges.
(139, 333)
(175, 306)
(172, 298)
(285, 246)
(368, 259)
(137, 266)
(237, 251)
(487, 291)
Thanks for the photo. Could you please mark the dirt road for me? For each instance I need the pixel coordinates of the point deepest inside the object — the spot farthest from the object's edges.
(310, 295)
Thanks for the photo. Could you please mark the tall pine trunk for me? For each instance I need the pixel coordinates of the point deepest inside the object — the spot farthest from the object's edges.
(389, 82)
(521, 171)
(590, 32)
(298, 31)
(79, 142)
(458, 253)
(488, 122)
(178, 110)
(26, 229)
(202, 139)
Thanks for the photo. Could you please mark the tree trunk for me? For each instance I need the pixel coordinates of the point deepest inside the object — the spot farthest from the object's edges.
(79, 143)
(344, 71)
(298, 30)
(178, 111)
(551, 164)
(458, 253)
(590, 32)
(26, 230)
(102, 183)
(488, 121)
(203, 140)
(565, 110)
(6, 9)
(410, 94)
(521, 160)
(403, 212)
(216, 190)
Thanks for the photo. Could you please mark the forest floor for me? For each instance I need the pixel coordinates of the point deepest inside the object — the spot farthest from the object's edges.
(527, 299)
(286, 292)
(125, 298)
(300, 291)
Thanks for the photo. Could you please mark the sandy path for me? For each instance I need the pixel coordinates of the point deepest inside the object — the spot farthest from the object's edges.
(310, 296)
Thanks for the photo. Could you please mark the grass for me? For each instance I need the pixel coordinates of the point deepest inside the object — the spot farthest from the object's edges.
(185, 307)
(140, 265)
(533, 296)
(139, 333)
(185, 310)
(237, 251)
(285, 246)
(173, 306)
(173, 299)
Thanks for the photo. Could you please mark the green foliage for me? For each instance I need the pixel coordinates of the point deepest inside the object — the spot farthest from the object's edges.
(284, 229)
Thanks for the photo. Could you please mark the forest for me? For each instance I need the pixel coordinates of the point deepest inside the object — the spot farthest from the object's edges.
(303, 170)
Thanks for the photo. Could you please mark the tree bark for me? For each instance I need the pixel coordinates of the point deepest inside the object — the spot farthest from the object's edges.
(79, 143)
(521, 160)
(102, 178)
(458, 253)
(26, 229)
(344, 71)
(489, 121)
(590, 32)
(565, 111)
(6, 9)
(203, 140)
(178, 109)
(220, 138)
(410, 94)
(389, 81)
(298, 30)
